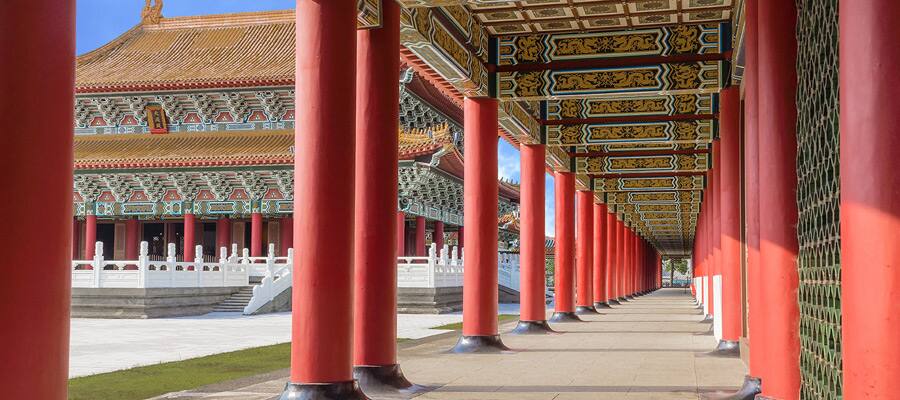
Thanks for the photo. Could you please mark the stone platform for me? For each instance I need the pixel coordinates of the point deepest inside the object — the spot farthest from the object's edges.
(654, 347)
(147, 303)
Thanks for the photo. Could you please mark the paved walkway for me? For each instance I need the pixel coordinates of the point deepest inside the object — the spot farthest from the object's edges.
(652, 348)
(105, 345)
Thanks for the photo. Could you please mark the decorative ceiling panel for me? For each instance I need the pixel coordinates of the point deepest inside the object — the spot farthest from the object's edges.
(665, 41)
(655, 163)
(525, 16)
(631, 147)
(666, 133)
(369, 14)
(638, 106)
(672, 78)
(649, 184)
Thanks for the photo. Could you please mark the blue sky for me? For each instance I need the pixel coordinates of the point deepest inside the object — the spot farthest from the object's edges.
(100, 21)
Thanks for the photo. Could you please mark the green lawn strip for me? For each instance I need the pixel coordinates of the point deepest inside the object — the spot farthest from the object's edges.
(153, 380)
(458, 325)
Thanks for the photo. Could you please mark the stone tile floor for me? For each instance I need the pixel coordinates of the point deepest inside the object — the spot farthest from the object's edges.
(654, 347)
(105, 345)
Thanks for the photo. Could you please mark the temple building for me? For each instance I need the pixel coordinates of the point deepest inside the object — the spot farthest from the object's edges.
(185, 134)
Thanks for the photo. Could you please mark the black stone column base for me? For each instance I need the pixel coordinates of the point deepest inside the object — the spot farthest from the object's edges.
(323, 391)
(585, 310)
(533, 328)
(630, 297)
(565, 317)
(707, 318)
(385, 379)
(479, 344)
(727, 348)
(623, 299)
(600, 305)
(749, 391)
(614, 302)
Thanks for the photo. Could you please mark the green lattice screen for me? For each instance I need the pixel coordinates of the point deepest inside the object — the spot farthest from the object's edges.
(818, 198)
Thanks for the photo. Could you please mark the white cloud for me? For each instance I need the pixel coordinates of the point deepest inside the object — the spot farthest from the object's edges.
(508, 166)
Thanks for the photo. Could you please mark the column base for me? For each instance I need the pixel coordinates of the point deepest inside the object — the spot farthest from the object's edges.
(630, 297)
(585, 310)
(565, 317)
(599, 305)
(623, 299)
(533, 328)
(707, 318)
(385, 380)
(323, 391)
(479, 344)
(613, 302)
(727, 348)
(749, 391)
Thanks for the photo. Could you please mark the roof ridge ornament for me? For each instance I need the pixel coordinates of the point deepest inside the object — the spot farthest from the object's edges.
(152, 14)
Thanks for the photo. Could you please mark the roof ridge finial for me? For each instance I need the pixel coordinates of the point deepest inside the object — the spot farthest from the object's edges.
(152, 14)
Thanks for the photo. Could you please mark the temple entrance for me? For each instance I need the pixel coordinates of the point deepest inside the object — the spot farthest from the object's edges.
(154, 235)
(106, 233)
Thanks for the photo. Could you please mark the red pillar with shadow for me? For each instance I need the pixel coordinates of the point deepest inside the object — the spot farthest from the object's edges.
(438, 235)
(421, 227)
(533, 315)
(375, 364)
(730, 220)
(612, 257)
(584, 249)
(401, 234)
(601, 294)
(870, 211)
(256, 234)
(322, 321)
(564, 266)
(190, 222)
(90, 236)
(223, 235)
(37, 58)
(777, 50)
(480, 331)
(286, 235)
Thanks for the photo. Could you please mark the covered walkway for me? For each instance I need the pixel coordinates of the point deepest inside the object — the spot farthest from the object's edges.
(654, 347)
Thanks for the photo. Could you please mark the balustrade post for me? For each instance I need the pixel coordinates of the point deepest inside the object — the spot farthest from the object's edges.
(198, 264)
(432, 267)
(142, 264)
(171, 259)
(98, 263)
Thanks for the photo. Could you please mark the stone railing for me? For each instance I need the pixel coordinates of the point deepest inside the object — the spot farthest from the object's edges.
(228, 271)
(278, 276)
(445, 269)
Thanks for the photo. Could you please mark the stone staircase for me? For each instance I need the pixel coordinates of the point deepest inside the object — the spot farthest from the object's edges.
(236, 302)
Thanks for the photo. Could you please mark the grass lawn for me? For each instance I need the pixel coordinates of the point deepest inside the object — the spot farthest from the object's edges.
(458, 325)
(153, 380)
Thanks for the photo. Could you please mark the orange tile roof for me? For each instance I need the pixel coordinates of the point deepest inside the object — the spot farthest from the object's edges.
(184, 149)
(227, 50)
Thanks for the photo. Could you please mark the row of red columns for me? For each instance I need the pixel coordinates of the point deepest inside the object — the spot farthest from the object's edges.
(421, 249)
(223, 234)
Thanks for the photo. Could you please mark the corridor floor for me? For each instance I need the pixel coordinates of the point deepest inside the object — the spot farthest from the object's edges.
(653, 347)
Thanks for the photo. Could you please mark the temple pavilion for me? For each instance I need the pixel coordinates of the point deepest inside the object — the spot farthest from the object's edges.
(184, 134)
(757, 137)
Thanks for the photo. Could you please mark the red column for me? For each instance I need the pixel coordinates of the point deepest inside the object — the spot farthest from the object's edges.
(223, 234)
(584, 249)
(189, 225)
(421, 226)
(730, 193)
(711, 222)
(627, 257)
(256, 240)
(286, 237)
(480, 331)
(37, 48)
(717, 216)
(401, 233)
(620, 259)
(533, 318)
(375, 239)
(778, 185)
(564, 266)
(461, 237)
(601, 295)
(438, 235)
(322, 332)
(755, 276)
(870, 212)
(612, 257)
(76, 231)
(90, 236)
(132, 239)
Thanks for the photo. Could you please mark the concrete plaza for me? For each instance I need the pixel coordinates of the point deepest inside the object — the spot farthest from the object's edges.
(654, 347)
